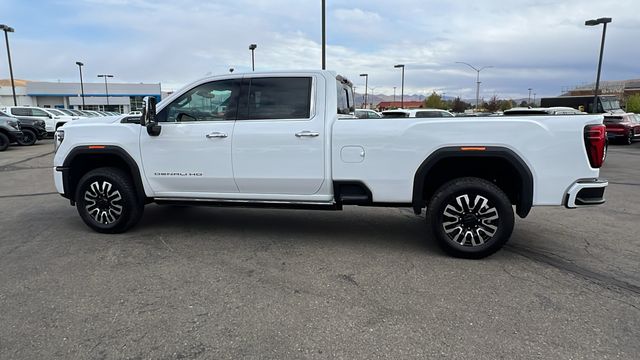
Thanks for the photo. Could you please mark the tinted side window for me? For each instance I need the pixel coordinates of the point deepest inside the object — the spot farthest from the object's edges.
(213, 101)
(21, 111)
(428, 114)
(346, 104)
(38, 112)
(276, 98)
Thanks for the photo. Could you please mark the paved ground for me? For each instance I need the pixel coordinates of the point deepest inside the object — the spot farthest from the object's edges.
(359, 284)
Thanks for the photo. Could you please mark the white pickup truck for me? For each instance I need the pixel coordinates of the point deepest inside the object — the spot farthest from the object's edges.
(289, 139)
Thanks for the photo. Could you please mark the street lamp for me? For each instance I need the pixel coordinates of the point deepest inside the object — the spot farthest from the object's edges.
(253, 47)
(81, 83)
(529, 102)
(402, 88)
(594, 22)
(8, 29)
(477, 79)
(324, 35)
(366, 85)
(106, 88)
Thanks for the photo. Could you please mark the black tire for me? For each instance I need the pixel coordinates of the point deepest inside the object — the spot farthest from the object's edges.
(28, 138)
(476, 232)
(101, 214)
(4, 142)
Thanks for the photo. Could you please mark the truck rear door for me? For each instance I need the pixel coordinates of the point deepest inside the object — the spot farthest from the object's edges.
(279, 137)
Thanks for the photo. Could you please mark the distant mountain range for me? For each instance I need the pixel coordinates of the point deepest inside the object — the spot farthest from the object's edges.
(377, 98)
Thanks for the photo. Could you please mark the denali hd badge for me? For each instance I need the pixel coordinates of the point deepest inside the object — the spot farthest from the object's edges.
(177, 174)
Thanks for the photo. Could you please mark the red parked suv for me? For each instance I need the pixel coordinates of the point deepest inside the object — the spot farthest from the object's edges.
(624, 127)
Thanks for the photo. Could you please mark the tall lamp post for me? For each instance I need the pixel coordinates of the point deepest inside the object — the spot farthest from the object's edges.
(81, 83)
(593, 22)
(402, 86)
(8, 29)
(106, 88)
(366, 86)
(477, 80)
(529, 102)
(253, 47)
(324, 36)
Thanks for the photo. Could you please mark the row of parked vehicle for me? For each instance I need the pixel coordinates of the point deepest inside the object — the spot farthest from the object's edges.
(621, 127)
(25, 125)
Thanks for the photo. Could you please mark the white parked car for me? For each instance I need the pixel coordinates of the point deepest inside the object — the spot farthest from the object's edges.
(367, 114)
(416, 113)
(287, 139)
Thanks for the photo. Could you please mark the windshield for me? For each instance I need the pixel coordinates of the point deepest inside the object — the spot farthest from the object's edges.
(65, 111)
(56, 112)
(610, 104)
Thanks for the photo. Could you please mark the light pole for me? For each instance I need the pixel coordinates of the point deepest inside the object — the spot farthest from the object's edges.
(594, 22)
(534, 99)
(81, 83)
(8, 29)
(529, 102)
(402, 88)
(324, 36)
(366, 85)
(106, 88)
(477, 79)
(253, 47)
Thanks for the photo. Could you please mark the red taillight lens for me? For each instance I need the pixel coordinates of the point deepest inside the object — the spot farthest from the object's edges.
(595, 142)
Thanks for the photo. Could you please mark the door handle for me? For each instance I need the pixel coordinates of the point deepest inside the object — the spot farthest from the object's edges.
(216, 135)
(307, 134)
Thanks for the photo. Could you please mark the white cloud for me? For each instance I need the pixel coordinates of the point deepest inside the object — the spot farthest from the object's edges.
(539, 44)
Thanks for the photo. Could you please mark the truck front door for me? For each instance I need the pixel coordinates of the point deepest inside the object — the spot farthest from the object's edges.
(192, 155)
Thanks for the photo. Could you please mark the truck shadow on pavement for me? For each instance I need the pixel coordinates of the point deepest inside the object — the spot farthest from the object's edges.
(384, 227)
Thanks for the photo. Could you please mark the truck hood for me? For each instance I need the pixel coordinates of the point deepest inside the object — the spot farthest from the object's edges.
(98, 120)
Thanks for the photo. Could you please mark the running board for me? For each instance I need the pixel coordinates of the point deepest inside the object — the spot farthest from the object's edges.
(275, 204)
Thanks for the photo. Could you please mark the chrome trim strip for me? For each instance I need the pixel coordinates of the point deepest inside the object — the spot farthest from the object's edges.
(242, 201)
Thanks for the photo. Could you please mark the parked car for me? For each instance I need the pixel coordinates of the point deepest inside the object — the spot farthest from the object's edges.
(60, 118)
(417, 113)
(32, 123)
(32, 113)
(9, 130)
(287, 139)
(556, 110)
(622, 127)
(367, 114)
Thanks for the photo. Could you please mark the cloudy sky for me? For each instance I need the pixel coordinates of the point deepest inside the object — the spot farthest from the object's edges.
(539, 44)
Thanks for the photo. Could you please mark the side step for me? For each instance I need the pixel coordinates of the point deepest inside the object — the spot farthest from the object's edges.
(274, 204)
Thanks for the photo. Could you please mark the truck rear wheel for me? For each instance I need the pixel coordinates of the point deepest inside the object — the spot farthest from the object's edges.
(470, 217)
(107, 201)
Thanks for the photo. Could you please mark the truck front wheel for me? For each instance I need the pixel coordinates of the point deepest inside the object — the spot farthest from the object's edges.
(107, 201)
(470, 217)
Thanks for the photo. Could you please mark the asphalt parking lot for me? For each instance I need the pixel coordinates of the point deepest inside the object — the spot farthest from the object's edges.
(365, 283)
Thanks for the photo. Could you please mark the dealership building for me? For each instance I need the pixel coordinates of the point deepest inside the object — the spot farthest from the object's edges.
(122, 97)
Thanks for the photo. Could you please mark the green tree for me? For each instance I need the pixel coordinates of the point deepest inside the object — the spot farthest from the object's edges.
(506, 104)
(458, 105)
(633, 103)
(434, 101)
(493, 104)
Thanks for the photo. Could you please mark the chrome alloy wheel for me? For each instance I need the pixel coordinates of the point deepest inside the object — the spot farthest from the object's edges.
(103, 203)
(470, 223)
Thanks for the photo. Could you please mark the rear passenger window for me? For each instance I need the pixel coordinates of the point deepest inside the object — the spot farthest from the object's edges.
(278, 98)
(428, 114)
(21, 111)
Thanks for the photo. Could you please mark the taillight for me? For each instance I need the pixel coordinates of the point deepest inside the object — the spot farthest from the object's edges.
(595, 142)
